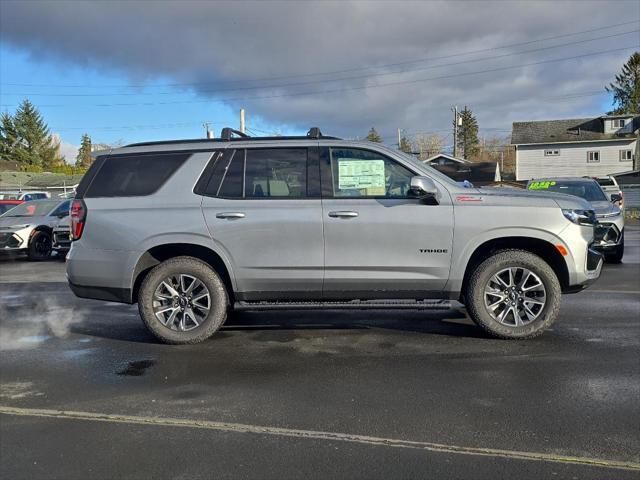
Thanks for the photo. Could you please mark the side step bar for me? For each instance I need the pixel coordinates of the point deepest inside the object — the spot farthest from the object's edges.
(352, 305)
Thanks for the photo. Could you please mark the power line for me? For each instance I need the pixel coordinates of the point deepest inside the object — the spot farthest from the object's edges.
(360, 87)
(335, 72)
(313, 82)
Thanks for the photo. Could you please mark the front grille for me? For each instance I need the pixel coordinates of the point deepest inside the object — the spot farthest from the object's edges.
(606, 234)
(9, 240)
(62, 237)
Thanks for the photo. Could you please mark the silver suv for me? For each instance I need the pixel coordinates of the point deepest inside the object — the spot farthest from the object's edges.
(193, 229)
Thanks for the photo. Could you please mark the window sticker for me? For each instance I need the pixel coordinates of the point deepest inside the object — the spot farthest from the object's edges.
(541, 185)
(361, 174)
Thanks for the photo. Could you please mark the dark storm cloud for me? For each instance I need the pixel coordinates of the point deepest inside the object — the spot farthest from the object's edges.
(223, 45)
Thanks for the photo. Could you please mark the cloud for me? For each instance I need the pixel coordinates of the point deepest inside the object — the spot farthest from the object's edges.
(275, 53)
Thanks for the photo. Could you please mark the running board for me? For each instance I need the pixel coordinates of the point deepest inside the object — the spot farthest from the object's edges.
(351, 305)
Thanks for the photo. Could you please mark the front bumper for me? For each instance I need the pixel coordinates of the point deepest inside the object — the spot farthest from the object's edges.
(607, 236)
(14, 240)
(61, 240)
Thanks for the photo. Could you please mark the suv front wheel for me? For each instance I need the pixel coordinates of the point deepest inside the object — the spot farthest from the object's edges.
(513, 294)
(183, 301)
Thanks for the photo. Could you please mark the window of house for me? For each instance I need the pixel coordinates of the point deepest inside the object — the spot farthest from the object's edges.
(593, 157)
(618, 123)
(551, 153)
(363, 173)
(626, 155)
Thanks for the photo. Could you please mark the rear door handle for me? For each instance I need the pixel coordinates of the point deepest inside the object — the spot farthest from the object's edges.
(343, 214)
(230, 215)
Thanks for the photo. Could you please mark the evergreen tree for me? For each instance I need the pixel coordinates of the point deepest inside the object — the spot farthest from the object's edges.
(374, 136)
(35, 147)
(84, 158)
(405, 145)
(468, 134)
(8, 137)
(626, 88)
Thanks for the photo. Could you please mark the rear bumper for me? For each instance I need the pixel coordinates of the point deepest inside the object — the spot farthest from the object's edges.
(121, 295)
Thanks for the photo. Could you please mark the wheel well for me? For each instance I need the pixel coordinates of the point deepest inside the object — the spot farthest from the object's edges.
(160, 253)
(41, 228)
(542, 248)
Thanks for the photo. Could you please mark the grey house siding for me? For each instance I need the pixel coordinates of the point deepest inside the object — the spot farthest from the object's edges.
(531, 161)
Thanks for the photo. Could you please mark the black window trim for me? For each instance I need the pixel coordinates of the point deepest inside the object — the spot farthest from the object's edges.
(310, 149)
(326, 171)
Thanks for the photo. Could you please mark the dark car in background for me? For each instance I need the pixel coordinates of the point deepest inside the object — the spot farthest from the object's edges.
(609, 235)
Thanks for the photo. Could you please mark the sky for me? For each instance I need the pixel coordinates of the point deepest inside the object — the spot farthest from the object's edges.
(152, 70)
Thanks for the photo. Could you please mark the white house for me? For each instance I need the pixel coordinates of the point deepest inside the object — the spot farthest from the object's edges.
(576, 147)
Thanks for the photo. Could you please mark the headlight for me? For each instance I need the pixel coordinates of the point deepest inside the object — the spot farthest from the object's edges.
(581, 217)
(610, 215)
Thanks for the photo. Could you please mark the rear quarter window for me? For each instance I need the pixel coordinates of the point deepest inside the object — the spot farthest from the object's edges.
(134, 175)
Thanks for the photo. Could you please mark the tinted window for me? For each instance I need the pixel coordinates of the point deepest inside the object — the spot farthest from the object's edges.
(276, 172)
(233, 177)
(63, 208)
(363, 173)
(134, 175)
(217, 173)
(6, 207)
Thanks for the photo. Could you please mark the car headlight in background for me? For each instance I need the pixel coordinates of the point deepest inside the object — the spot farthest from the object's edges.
(610, 215)
(581, 217)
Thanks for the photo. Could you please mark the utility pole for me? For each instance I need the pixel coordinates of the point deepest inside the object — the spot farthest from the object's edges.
(242, 120)
(399, 139)
(455, 130)
(208, 133)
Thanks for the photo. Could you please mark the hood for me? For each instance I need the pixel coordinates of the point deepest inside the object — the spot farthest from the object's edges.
(561, 199)
(604, 208)
(37, 220)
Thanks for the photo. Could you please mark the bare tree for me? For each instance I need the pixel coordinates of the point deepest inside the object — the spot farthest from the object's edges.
(428, 145)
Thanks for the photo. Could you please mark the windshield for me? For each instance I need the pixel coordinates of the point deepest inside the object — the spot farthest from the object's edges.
(4, 207)
(32, 209)
(590, 191)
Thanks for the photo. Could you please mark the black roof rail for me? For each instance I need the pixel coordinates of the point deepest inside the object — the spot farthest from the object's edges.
(227, 133)
(231, 135)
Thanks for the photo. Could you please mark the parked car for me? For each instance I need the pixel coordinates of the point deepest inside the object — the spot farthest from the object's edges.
(62, 237)
(610, 186)
(189, 229)
(28, 227)
(24, 196)
(609, 238)
(6, 205)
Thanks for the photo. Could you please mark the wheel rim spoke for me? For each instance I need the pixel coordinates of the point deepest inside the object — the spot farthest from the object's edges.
(515, 296)
(181, 302)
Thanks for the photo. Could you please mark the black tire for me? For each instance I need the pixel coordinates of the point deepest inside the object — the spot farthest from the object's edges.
(202, 271)
(40, 246)
(480, 277)
(617, 254)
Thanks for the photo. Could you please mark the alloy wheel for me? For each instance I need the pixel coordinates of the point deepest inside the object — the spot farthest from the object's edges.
(181, 302)
(515, 296)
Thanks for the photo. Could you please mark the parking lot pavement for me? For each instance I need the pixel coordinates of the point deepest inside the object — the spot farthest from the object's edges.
(85, 391)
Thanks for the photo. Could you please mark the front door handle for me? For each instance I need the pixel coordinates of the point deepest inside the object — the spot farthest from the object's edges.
(230, 215)
(343, 214)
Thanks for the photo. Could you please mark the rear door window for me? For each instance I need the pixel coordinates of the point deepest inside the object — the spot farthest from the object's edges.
(134, 175)
(276, 173)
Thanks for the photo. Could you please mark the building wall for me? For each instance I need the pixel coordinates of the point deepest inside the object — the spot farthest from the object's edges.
(571, 161)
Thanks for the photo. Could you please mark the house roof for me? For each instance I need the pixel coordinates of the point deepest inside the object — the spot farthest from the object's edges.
(449, 157)
(571, 130)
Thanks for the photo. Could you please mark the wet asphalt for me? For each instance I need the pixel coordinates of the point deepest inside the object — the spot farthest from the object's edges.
(300, 394)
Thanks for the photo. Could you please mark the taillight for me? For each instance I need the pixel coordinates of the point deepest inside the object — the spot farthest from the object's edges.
(78, 216)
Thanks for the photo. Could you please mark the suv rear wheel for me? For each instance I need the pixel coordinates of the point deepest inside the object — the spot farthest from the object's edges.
(513, 294)
(183, 301)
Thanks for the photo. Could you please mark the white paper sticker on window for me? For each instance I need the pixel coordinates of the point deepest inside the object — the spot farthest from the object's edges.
(358, 174)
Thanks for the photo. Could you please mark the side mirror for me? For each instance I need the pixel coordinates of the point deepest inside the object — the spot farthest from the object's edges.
(423, 188)
(616, 197)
